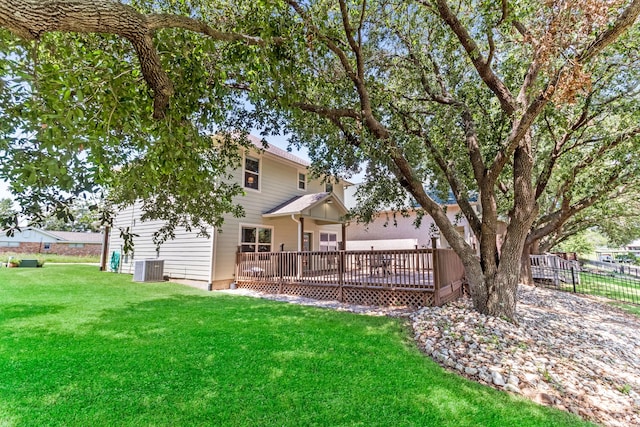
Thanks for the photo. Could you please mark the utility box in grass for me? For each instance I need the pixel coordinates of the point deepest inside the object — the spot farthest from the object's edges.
(148, 270)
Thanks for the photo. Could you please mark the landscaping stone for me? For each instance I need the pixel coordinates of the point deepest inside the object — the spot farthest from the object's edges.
(512, 388)
(497, 379)
(568, 351)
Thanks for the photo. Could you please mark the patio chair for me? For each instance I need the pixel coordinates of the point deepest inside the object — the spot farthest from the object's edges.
(380, 264)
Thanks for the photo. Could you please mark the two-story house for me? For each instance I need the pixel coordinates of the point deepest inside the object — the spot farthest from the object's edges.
(284, 210)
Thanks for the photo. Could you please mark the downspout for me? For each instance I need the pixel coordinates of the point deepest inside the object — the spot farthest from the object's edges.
(298, 258)
(212, 259)
(298, 236)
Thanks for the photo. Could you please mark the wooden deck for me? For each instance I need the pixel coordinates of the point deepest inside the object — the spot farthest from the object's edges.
(420, 277)
(554, 269)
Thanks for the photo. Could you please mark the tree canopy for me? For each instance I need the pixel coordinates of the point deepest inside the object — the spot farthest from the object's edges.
(531, 106)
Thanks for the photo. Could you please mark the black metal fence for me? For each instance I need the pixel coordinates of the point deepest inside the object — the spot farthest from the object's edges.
(610, 280)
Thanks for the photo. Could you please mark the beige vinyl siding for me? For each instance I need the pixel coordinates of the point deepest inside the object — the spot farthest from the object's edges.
(186, 257)
(325, 211)
(279, 183)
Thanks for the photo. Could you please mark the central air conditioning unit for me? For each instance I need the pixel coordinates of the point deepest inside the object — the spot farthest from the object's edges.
(148, 270)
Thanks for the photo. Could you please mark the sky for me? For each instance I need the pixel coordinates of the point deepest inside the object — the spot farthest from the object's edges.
(4, 190)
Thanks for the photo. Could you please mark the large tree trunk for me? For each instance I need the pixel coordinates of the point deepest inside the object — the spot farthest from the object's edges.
(494, 294)
(526, 274)
(503, 292)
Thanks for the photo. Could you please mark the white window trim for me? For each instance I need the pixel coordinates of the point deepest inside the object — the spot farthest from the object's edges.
(337, 246)
(244, 171)
(245, 225)
(306, 180)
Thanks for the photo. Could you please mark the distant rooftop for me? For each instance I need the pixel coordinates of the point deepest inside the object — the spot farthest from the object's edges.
(76, 236)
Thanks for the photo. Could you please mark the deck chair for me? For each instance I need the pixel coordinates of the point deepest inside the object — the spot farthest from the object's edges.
(380, 264)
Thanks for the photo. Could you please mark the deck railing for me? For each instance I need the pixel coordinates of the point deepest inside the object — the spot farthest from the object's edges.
(554, 268)
(416, 277)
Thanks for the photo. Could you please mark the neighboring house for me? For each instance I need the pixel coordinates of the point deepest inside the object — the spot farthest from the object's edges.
(605, 254)
(394, 231)
(284, 210)
(35, 241)
(634, 248)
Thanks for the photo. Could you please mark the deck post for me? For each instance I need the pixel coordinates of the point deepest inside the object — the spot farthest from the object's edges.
(341, 259)
(436, 272)
(238, 260)
(282, 259)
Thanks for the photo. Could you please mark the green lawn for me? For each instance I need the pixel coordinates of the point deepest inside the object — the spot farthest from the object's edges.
(629, 308)
(4, 257)
(83, 348)
(619, 288)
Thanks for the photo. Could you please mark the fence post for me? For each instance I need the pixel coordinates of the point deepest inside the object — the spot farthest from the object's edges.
(573, 278)
(436, 273)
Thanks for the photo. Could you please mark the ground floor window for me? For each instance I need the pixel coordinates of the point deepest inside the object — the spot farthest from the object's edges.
(256, 239)
(328, 242)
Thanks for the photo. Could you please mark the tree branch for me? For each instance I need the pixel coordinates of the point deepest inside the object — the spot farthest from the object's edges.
(30, 19)
(625, 20)
(482, 66)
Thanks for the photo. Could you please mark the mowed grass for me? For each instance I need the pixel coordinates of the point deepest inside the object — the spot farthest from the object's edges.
(4, 257)
(79, 347)
(629, 308)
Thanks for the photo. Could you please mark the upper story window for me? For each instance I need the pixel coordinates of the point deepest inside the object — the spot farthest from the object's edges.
(252, 173)
(328, 187)
(302, 181)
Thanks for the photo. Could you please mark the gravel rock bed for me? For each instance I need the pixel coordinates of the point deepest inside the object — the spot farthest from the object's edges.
(568, 351)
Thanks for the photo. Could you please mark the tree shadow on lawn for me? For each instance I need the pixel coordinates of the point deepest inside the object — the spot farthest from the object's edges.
(21, 311)
(224, 360)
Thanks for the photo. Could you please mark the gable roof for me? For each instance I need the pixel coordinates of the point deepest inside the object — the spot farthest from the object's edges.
(299, 204)
(61, 236)
(276, 151)
(3, 233)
